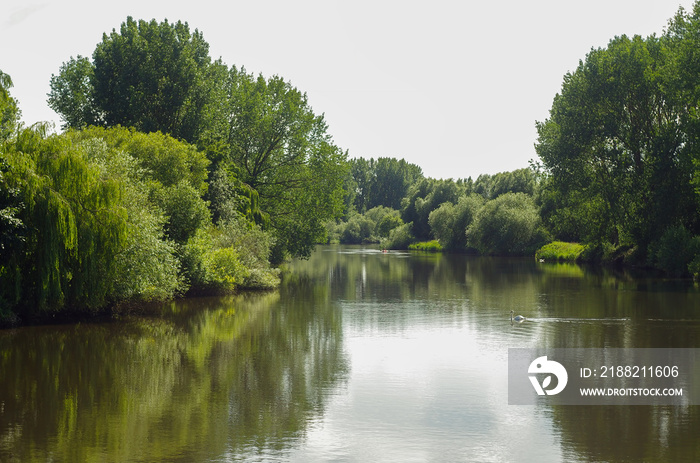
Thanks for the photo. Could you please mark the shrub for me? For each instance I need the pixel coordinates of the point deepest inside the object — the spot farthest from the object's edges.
(676, 252)
(449, 222)
(219, 259)
(509, 224)
(388, 223)
(560, 251)
(358, 230)
(400, 237)
(426, 246)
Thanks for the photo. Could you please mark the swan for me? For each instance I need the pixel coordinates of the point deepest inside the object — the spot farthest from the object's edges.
(517, 318)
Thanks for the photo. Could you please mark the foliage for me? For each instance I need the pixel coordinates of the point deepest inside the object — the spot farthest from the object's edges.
(163, 158)
(147, 267)
(9, 110)
(559, 251)
(449, 222)
(517, 181)
(150, 76)
(369, 227)
(616, 159)
(88, 221)
(76, 225)
(674, 251)
(72, 94)
(509, 224)
(230, 198)
(184, 208)
(358, 229)
(422, 198)
(175, 171)
(383, 182)
(284, 153)
(426, 246)
(400, 237)
(386, 219)
(271, 157)
(232, 254)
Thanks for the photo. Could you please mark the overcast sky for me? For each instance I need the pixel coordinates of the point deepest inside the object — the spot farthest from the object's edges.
(453, 86)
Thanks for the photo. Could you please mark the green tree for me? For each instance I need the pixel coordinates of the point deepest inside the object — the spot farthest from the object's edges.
(76, 226)
(681, 43)
(383, 182)
(72, 94)
(517, 181)
(449, 222)
(9, 110)
(509, 224)
(176, 172)
(361, 174)
(283, 151)
(424, 197)
(612, 148)
(390, 181)
(150, 76)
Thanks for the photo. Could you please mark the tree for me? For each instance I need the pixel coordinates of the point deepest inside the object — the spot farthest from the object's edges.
(9, 111)
(612, 147)
(11, 227)
(283, 151)
(423, 197)
(383, 182)
(390, 180)
(72, 94)
(509, 224)
(449, 222)
(361, 173)
(150, 76)
(76, 226)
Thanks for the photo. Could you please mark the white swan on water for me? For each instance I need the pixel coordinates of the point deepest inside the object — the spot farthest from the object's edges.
(517, 318)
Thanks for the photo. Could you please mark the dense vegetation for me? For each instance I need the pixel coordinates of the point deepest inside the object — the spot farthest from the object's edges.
(176, 173)
(496, 214)
(620, 152)
(618, 168)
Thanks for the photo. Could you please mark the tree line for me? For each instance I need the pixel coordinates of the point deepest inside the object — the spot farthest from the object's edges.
(494, 214)
(176, 173)
(618, 168)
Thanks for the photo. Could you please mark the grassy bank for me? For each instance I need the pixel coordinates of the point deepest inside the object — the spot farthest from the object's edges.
(560, 251)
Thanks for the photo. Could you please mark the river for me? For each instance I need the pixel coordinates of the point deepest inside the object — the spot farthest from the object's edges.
(359, 356)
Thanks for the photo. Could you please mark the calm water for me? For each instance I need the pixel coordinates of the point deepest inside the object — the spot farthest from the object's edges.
(360, 356)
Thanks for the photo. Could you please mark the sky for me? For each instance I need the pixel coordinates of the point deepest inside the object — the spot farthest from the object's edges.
(452, 86)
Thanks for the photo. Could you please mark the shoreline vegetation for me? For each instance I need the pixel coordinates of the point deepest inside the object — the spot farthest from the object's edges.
(175, 174)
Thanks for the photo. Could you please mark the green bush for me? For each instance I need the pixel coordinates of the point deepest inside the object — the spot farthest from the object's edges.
(677, 252)
(388, 223)
(185, 211)
(509, 224)
(400, 237)
(559, 251)
(426, 246)
(448, 223)
(234, 254)
(357, 230)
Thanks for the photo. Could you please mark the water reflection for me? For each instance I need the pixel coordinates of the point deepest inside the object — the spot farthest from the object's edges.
(204, 378)
(359, 356)
(443, 320)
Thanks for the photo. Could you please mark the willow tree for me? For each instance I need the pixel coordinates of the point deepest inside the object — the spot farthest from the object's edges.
(75, 225)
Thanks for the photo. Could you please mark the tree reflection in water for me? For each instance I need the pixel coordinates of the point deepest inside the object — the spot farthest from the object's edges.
(201, 379)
